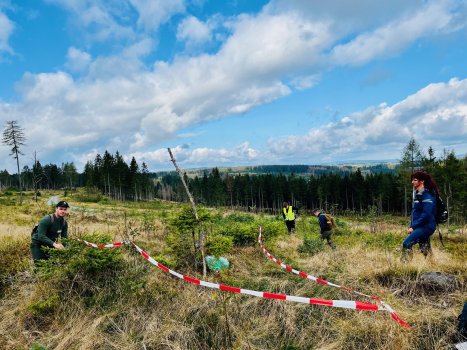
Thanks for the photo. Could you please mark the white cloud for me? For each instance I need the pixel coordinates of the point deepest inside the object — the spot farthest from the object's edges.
(156, 12)
(393, 37)
(104, 20)
(101, 20)
(237, 78)
(435, 115)
(6, 29)
(287, 46)
(44, 88)
(187, 157)
(193, 31)
(77, 60)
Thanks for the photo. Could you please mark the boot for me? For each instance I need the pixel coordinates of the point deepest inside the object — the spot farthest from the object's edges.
(407, 255)
(425, 249)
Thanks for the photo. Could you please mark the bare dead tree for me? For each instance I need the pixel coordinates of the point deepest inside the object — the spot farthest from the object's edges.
(195, 212)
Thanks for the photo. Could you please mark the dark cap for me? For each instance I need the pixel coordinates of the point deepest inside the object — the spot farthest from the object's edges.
(62, 204)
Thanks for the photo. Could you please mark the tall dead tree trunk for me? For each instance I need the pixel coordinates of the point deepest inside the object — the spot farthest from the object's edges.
(195, 212)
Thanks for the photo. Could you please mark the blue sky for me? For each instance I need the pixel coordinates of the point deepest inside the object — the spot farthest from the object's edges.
(233, 82)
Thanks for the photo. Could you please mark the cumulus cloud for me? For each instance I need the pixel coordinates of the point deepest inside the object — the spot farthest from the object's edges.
(193, 31)
(99, 20)
(6, 29)
(288, 46)
(103, 20)
(156, 12)
(435, 115)
(77, 60)
(393, 37)
(240, 154)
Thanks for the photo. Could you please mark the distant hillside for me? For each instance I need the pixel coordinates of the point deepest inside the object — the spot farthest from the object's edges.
(299, 170)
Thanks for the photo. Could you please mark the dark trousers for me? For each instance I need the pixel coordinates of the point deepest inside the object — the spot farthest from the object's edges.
(327, 236)
(290, 225)
(419, 235)
(38, 253)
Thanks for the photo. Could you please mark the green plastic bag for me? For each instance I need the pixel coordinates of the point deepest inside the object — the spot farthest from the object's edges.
(217, 264)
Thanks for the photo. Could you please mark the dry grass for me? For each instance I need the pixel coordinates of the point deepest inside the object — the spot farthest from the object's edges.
(167, 313)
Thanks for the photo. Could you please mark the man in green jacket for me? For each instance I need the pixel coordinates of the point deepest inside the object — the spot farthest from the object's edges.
(48, 231)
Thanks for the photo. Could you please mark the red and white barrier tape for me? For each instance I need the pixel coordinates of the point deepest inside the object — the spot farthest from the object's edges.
(346, 304)
(321, 281)
(110, 245)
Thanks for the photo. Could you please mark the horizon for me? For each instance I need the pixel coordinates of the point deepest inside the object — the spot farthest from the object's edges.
(240, 83)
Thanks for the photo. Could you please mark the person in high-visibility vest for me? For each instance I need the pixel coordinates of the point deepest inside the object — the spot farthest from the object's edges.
(288, 212)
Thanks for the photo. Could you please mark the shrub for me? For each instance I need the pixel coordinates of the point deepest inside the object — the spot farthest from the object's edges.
(14, 257)
(311, 246)
(342, 231)
(38, 346)
(219, 245)
(242, 234)
(82, 269)
(43, 306)
(181, 246)
(89, 197)
(245, 218)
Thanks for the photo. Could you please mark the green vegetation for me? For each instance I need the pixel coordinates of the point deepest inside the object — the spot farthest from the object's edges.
(353, 192)
(114, 299)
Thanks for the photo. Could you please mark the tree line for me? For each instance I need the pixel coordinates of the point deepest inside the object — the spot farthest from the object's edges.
(336, 191)
(109, 175)
(358, 192)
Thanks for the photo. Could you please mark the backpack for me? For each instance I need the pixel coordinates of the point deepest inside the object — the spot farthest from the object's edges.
(330, 221)
(441, 215)
(36, 227)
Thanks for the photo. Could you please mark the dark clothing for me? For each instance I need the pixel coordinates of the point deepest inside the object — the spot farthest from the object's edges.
(326, 233)
(462, 326)
(288, 213)
(323, 222)
(49, 229)
(424, 210)
(423, 219)
(290, 225)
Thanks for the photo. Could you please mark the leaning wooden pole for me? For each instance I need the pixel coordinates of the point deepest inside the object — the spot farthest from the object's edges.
(195, 212)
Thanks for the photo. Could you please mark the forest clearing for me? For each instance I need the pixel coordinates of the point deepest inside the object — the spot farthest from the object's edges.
(321, 146)
(85, 298)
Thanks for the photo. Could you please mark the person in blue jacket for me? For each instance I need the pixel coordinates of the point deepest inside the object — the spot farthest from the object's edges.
(325, 227)
(423, 221)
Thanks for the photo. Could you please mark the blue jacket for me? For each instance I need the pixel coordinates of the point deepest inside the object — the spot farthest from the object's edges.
(424, 210)
(323, 222)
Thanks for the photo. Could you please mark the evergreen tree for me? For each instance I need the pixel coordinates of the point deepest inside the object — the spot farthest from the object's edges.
(13, 136)
(412, 159)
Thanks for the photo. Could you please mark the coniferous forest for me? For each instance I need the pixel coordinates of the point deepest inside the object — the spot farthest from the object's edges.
(262, 188)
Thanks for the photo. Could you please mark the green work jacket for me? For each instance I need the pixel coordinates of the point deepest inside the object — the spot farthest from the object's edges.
(49, 230)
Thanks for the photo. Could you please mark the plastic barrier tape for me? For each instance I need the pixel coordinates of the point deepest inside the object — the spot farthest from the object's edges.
(346, 304)
(321, 281)
(111, 245)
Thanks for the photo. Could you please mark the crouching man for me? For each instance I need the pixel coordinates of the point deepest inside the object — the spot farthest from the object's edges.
(50, 228)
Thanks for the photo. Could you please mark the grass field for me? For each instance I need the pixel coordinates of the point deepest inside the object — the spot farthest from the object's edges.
(115, 299)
